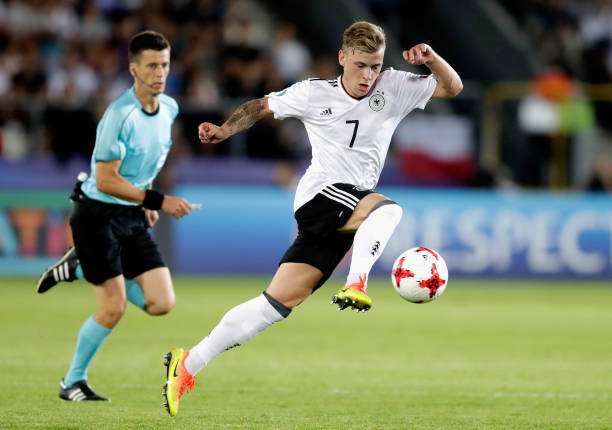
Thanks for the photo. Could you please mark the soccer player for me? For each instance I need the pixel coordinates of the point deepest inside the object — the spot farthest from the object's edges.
(349, 121)
(115, 206)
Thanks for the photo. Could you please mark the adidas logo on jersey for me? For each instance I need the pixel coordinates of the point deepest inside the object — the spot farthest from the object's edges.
(326, 112)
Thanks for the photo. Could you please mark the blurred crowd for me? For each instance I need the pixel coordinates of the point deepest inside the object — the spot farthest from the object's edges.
(62, 61)
(568, 114)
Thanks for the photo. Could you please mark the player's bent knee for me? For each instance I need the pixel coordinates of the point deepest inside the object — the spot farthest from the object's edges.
(392, 211)
(161, 306)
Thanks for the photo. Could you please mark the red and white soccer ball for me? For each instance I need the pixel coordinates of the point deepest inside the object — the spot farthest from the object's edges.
(419, 275)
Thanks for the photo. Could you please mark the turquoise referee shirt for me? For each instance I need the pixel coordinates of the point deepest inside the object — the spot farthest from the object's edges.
(139, 139)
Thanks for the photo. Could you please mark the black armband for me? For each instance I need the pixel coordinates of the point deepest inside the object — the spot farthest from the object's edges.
(153, 200)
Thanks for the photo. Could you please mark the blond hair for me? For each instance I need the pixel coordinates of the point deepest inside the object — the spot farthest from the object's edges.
(364, 36)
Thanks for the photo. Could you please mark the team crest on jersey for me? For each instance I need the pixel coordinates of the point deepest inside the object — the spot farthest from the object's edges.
(377, 102)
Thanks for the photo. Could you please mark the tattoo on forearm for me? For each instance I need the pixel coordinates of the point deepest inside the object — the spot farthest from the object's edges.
(245, 116)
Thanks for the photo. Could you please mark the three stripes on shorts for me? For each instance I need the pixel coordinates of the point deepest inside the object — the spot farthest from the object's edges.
(340, 196)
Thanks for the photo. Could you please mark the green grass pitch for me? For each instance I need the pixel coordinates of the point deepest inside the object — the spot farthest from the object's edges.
(487, 355)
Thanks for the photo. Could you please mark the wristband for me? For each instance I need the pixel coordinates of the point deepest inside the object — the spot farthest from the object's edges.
(153, 200)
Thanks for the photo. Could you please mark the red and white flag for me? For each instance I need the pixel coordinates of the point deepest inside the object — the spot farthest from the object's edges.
(435, 149)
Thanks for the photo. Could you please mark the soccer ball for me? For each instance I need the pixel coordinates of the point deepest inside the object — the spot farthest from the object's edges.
(419, 275)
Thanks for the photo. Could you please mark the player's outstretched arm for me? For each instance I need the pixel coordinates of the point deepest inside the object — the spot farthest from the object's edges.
(449, 81)
(110, 181)
(243, 117)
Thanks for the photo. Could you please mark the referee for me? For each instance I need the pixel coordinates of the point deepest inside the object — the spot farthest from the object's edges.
(115, 207)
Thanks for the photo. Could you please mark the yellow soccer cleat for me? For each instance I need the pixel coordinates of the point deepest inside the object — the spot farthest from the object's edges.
(178, 380)
(353, 296)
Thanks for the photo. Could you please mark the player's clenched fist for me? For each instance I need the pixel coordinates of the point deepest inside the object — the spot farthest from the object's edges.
(419, 54)
(176, 206)
(210, 133)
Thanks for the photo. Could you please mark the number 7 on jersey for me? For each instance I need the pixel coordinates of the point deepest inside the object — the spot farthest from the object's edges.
(356, 122)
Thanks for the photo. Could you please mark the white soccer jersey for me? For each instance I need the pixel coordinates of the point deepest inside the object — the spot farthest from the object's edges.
(349, 137)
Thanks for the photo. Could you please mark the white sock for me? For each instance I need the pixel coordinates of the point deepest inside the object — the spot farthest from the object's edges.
(370, 240)
(237, 326)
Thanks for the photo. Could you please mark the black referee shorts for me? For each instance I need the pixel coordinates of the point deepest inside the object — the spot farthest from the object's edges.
(319, 243)
(111, 240)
